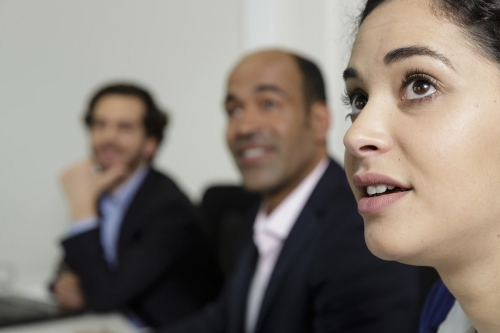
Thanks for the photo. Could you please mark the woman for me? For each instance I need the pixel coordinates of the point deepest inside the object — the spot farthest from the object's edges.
(423, 150)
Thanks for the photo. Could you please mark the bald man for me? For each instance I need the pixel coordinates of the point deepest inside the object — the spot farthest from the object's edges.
(304, 266)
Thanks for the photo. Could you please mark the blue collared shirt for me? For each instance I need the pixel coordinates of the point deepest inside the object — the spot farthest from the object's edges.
(113, 208)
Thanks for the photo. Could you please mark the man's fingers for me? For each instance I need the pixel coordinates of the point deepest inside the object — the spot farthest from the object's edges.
(86, 166)
(68, 292)
(70, 300)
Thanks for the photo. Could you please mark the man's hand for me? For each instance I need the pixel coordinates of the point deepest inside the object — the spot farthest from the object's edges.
(68, 292)
(83, 185)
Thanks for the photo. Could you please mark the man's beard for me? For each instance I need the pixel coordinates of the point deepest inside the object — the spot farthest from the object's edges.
(132, 163)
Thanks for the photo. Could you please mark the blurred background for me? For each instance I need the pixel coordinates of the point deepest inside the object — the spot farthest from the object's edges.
(55, 53)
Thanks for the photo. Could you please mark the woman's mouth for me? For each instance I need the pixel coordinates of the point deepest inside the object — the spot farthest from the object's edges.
(382, 189)
(379, 192)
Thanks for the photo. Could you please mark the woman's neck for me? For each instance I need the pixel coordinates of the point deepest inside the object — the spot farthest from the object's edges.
(476, 285)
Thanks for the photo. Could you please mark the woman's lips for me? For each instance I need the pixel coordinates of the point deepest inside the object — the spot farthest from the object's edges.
(379, 192)
(376, 204)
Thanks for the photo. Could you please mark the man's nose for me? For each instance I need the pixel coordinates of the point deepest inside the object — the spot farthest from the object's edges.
(250, 121)
(109, 131)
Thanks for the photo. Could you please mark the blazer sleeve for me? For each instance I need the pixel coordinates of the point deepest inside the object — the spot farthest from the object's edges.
(167, 236)
(211, 319)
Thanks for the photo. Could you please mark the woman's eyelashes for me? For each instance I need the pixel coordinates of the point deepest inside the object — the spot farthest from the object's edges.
(416, 86)
(355, 100)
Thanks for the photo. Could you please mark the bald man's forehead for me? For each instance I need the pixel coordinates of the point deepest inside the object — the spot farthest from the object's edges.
(265, 68)
(266, 76)
(268, 58)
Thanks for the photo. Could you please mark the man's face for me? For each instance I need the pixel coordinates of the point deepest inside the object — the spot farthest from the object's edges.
(117, 132)
(269, 130)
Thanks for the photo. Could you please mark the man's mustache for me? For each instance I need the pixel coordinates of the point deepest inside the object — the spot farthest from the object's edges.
(253, 140)
(107, 146)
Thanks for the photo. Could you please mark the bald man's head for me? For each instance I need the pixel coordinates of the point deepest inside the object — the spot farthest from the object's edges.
(277, 122)
(311, 79)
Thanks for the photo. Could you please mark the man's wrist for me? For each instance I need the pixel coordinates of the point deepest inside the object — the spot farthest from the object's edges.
(82, 225)
(83, 212)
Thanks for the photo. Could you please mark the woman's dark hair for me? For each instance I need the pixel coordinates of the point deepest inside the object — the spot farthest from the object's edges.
(155, 120)
(479, 19)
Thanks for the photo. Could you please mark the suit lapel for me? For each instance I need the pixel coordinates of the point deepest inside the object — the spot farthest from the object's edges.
(243, 275)
(302, 233)
(300, 236)
(136, 209)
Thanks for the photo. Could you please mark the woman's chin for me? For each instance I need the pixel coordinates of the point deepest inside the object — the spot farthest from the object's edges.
(393, 249)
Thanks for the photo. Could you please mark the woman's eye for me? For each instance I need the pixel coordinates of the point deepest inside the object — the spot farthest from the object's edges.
(419, 89)
(358, 103)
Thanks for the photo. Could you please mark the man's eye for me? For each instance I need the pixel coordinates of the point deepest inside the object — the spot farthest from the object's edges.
(125, 127)
(234, 111)
(97, 125)
(270, 104)
(419, 89)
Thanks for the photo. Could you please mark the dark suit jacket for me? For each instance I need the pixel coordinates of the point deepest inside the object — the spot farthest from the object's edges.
(325, 279)
(164, 272)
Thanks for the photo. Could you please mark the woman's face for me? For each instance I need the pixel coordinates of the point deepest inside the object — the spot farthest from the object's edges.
(423, 151)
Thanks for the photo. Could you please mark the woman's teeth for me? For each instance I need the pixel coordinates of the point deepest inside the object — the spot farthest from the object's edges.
(378, 189)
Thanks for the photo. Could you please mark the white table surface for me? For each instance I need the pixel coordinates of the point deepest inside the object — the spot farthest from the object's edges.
(115, 323)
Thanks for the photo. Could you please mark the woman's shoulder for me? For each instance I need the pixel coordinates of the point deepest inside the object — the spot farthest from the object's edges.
(436, 308)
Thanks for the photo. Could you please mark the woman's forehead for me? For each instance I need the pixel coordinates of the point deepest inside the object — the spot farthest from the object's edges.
(400, 24)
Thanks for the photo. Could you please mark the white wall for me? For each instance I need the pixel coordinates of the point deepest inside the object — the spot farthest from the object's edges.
(53, 53)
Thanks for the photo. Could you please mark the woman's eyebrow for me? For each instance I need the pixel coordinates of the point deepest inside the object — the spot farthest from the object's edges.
(401, 54)
(350, 73)
(410, 51)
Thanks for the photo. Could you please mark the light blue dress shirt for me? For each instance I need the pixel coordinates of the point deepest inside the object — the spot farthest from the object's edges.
(113, 208)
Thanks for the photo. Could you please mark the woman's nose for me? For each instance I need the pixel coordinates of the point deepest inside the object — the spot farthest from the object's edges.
(369, 134)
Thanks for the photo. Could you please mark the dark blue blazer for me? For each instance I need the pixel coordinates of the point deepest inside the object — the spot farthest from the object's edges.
(325, 279)
(164, 272)
(437, 305)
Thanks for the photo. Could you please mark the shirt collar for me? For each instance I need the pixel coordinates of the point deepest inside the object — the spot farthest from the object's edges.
(124, 193)
(456, 321)
(283, 217)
